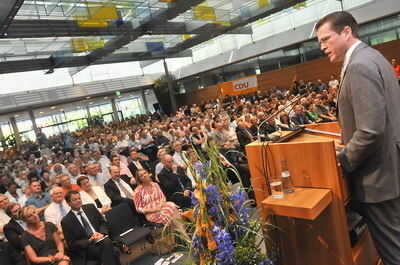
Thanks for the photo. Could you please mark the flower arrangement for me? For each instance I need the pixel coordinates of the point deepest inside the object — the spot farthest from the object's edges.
(224, 231)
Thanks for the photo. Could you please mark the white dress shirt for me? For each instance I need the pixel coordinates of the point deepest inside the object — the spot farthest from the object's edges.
(20, 200)
(347, 58)
(53, 212)
(126, 186)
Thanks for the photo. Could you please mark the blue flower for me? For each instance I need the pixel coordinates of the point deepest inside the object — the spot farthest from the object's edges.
(213, 199)
(242, 210)
(193, 199)
(225, 248)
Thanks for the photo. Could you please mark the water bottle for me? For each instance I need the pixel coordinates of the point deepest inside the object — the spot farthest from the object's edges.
(287, 182)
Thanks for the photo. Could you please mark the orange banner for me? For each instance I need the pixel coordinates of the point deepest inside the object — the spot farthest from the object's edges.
(239, 86)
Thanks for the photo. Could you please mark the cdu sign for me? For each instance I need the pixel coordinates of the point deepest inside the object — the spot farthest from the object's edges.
(245, 83)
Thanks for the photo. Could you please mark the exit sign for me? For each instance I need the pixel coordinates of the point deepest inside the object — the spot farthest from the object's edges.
(118, 93)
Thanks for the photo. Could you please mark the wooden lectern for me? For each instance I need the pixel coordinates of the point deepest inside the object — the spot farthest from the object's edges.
(312, 221)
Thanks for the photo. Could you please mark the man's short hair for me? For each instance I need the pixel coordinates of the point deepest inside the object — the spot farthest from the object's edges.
(69, 194)
(339, 20)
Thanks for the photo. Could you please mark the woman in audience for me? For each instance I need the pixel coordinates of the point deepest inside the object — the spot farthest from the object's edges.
(93, 195)
(41, 241)
(150, 201)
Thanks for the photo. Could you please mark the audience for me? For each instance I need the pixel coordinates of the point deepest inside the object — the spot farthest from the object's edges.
(142, 161)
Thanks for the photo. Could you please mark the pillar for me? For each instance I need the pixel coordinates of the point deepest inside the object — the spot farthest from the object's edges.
(33, 120)
(114, 109)
(17, 136)
(144, 100)
(170, 87)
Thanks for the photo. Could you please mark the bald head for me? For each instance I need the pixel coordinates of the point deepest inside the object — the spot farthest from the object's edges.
(167, 161)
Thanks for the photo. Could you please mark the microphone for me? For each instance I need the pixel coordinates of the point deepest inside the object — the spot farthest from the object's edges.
(290, 104)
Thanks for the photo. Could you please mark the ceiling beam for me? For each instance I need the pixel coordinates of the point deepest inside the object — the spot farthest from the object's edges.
(8, 10)
(68, 28)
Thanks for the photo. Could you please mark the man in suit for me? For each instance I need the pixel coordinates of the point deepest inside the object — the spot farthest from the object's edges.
(85, 231)
(369, 115)
(175, 183)
(243, 135)
(118, 189)
(15, 227)
(137, 162)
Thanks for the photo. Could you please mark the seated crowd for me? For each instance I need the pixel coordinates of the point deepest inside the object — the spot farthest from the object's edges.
(56, 192)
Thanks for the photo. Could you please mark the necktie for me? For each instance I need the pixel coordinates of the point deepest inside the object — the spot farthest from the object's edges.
(124, 190)
(86, 225)
(137, 164)
(62, 210)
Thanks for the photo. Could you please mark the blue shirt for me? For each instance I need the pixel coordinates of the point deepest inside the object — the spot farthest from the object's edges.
(38, 202)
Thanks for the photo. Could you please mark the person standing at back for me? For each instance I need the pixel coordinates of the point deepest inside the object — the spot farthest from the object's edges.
(369, 115)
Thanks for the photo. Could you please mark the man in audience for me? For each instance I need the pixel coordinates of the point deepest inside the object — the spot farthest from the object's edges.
(15, 194)
(175, 183)
(66, 185)
(86, 233)
(95, 178)
(137, 162)
(244, 136)
(38, 199)
(179, 154)
(4, 218)
(56, 210)
(73, 171)
(117, 189)
(15, 227)
(300, 118)
(123, 167)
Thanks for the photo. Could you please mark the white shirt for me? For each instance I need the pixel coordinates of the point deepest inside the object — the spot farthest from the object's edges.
(87, 219)
(126, 186)
(347, 58)
(20, 200)
(53, 213)
(101, 195)
(178, 159)
(4, 219)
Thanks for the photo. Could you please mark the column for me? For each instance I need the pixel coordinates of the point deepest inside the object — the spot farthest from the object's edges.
(1, 135)
(170, 87)
(144, 100)
(14, 126)
(89, 116)
(114, 108)
(33, 120)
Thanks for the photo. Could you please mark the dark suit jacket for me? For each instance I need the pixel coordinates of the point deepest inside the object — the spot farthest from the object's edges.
(300, 119)
(75, 234)
(369, 116)
(172, 188)
(114, 194)
(243, 137)
(9, 256)
(132, 167)
(13, 232)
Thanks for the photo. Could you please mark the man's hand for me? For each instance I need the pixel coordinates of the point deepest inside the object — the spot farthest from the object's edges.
(186, 193)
